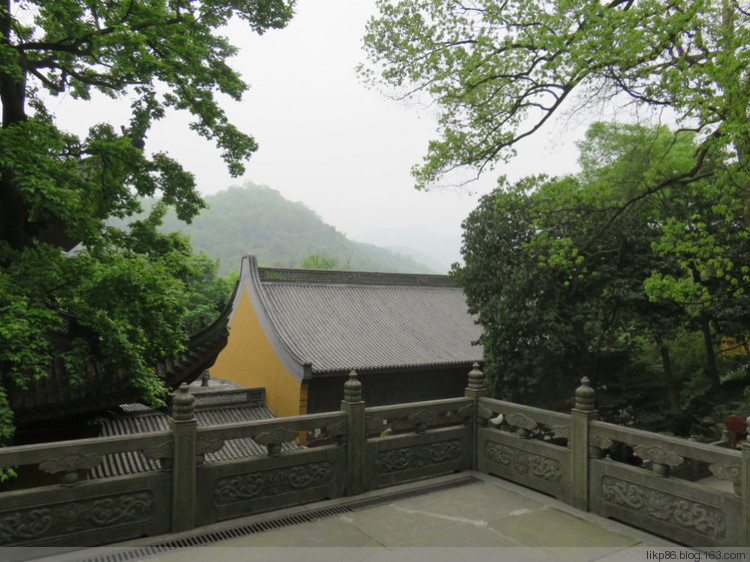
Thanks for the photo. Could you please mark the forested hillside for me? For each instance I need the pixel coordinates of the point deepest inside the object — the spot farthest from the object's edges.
(258, 220)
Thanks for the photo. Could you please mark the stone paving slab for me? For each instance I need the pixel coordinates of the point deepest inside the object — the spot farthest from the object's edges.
(481, 515)
(495, 519)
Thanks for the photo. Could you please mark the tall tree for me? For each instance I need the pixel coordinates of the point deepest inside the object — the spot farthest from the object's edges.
(557, 269)
(499, 70)
(124, 288)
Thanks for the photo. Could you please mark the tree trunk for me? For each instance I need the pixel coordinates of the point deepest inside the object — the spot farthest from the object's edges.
(704, 321)
(12, 88)
(711, 369)
(13, 212)
(666, 360)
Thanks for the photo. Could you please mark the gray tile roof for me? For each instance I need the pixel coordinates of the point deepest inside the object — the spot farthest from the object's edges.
(337, 321)
(211, 408)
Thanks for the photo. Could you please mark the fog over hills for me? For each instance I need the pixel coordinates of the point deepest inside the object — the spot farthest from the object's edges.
(437, 252)
(259, 220)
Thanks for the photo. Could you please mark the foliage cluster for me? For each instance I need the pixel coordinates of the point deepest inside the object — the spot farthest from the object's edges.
(125, 290)
(584, 275)
(319, 261)
(497, 71)
(648, 245)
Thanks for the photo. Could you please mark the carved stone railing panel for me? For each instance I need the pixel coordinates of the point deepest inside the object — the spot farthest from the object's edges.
(163, 452)
(205, 446)
(276, 481)
(561, 431)
(666, 507)
(295, 424)
(662, 460)
(663, 453)
(336, 429)
(598, 446)
(524, 462)
(274, 438)
(483, 414)
(63, 520)
(523, 423)
(421, 418)
(374, 424)
(418, 456)
(74, 467)
(658, 455)
(732, 473)
(526, 421)
(467, 414)
(540, 416)
(419, 415)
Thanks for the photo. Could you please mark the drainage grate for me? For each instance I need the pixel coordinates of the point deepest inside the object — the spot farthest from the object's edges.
(209, 537)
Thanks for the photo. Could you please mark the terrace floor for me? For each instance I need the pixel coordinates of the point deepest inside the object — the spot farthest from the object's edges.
(442, 515)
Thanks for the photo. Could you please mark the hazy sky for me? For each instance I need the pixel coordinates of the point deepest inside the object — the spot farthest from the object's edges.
(329, 142)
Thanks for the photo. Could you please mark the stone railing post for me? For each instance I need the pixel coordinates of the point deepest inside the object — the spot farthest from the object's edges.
(184, 431)
(745, 484)
(475, 390)
(356, 436)
(584, 412)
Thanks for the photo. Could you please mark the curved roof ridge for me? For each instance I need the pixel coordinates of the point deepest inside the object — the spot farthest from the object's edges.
(285, 348)
(346, 277)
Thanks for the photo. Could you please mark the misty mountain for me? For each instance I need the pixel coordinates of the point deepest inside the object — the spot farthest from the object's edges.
(259, 220)
(437, 252)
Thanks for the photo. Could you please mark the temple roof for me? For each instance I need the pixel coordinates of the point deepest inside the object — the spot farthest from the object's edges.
(213, 406)
(334, 321)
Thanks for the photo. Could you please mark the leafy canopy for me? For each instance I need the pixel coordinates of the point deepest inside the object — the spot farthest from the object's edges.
(567, 273)
(498, 70)
(125, 288)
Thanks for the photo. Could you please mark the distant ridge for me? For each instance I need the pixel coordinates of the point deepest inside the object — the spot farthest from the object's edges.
(259, 220)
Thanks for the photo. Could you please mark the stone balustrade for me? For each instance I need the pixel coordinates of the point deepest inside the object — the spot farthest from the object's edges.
(689, 492)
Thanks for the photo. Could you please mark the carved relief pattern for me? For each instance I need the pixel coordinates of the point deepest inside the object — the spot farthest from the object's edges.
(336, 428)
(275, 436)
(658, 455)
(468, 411)
(562, 431)
(374, 424)
(726, 472)
(701, 518)
(524, 462)
(162, 451)
(599, 441)
(416, 457)
(520, 420)
(421, 417)
(74, 517)
(243, 487)
(70, 463)
(484, 413)
(204, 446)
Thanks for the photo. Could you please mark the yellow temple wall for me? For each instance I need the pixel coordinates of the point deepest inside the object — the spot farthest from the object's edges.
(249, 360)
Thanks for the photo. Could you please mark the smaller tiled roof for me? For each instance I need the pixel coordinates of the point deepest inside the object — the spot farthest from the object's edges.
(211, 408)
(335, 321)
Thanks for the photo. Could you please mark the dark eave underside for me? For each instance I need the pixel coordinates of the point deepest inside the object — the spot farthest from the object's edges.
(54, 397)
